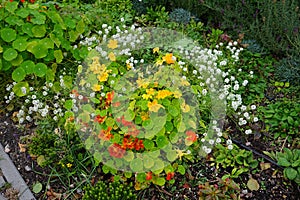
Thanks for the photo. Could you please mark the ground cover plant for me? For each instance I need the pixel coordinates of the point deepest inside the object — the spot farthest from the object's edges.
(144, 101)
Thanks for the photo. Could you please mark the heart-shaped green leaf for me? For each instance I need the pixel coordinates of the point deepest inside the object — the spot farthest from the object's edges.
(28, 66)
(8, 34)
(10, 54)
(18, 74)
(40, 69)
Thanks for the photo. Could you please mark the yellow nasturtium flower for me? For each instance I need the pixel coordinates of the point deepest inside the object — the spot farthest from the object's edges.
(155, 50)
(112, 44)
(96, 87)
(169, 58)
(185, 107)
(112, 57)
(154, 106)
(103, 77)
(163, 94)
(142, 83)
(177, 94)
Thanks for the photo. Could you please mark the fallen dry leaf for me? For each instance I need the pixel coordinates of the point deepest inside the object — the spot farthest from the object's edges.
(22, 147)
(265, 166)
(252, 184)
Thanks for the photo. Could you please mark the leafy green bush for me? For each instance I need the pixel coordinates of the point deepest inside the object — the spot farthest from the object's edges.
(110, 191)
(239, 161)
(282, 118)
(35, 40)
(288, 70)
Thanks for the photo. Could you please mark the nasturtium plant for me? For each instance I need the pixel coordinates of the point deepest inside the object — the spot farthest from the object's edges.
(8, 34)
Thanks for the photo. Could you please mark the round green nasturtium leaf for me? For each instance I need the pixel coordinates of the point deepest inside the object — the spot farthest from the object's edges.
(174, 111)
(172, 155)
(37, 187)
(290, 173)
(8, 34)
(12, 6)
(161, 141)
(38, 17)
(39, 31)
(136, 165)
(68, 104)
(1, 49)
(160, 181)
(148, 144)
(18, 88)
(17, 61)
(181, 169)
(26, 28)
(40, 69)
(97, 157)
(20, 44)
(148, 162)
(71, 23)
(14, 20)
(18, 74)
(39, 51)
(22, 12)
(10, 54)
(6, 65)
(129, 156)
(28, 66)
(47, 42)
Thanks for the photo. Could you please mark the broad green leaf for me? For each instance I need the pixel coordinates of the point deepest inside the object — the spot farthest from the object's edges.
(161, 141)
(6, 65)
(110, 121)
(10, 54)
(11, 6)
(172, 155)
(290, 173)
(47, 42)
(68, 104)
(55, 39)
(8, 34)
(17, 61)
(136, 166)
(18, 74)
(39, 51)
(71, 23)
(37, 187)
(148, 162)
(40, 69)
(80, 27)
(73, 35)
(148, 144)
(129, 156)
(174, 111)
(141, 177)
(26, 28)
(283, 162)
(28, 66)
(14, 20)
(160, 181)
(39, 31)
(181, 169)
(97, 157)
(50, 75)
(38, 18)
(22, 12)
(20, 44)
(56, 18)
(18, 88)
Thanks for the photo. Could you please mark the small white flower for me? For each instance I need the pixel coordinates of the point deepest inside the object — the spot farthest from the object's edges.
(204, 92)
(236, 87)
(246, 114)
(218, 140)
(245, 82)
(228, 142)
(230, 147)
(248, 131)
(255, 119)
(253, 107)
(211, 142)
(243, 108)
(33, 97)
(24, 91)
(45, 93)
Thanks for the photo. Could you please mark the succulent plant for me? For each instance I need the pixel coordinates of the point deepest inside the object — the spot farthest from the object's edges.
(254, 47)
(111, 191)
(288, 70)
(180, 15)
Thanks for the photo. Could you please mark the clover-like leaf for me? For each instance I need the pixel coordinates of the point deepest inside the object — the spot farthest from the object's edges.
(18, 74)
(28, 66)
(20, 44)
(8, 34)
(39, 31)
(10, 54)
(40, 69)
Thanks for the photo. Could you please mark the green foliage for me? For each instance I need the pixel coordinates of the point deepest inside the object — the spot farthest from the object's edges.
(222, 189)
(254, 47)
(238, 160)
(109, 191)
(33, 37)
(282, 118)
(288, 70)
(180, 16)
(290, 160)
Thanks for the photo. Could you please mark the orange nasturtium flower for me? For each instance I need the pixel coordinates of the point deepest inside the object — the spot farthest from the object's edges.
(163, 94)
(169, 58)
(116, 151)
(191, 137)
(105, 134)
(112, 44)
(154, 106)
